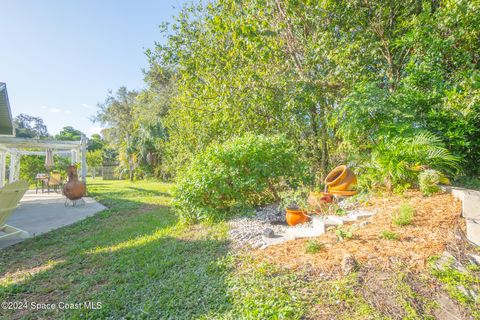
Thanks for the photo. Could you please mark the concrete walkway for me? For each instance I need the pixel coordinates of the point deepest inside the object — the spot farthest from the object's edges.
(42, 212)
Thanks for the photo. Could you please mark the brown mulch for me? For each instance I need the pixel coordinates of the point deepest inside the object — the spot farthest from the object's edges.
(436, 220)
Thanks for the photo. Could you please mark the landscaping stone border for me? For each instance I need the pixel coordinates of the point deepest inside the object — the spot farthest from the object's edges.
(470, 210)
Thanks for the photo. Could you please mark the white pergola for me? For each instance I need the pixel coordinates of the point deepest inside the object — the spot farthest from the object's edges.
(18, 147)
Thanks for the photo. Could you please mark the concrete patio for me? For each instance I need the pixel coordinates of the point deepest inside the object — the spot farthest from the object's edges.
(43, 212)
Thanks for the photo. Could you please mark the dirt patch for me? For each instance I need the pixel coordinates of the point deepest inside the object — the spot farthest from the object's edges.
(378, 291)
(434, 224)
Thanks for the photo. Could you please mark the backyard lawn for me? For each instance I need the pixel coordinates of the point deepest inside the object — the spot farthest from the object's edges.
(135, 260)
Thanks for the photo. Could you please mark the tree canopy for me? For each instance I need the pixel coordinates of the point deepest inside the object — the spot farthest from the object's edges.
(339, 78)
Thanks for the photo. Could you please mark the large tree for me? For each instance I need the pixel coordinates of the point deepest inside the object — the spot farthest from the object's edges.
(69, 134)
(117, 114)
(27, 126)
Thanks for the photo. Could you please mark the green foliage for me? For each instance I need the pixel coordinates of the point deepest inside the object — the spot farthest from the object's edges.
(428, 181)
(345, 234)
(403, 215)
(117, 112)
(30, 165)
(454, 280)
(469, 182)
(242, 172)
(388, 235)
(29, 127)
(94, 160)
(344, 84)
(95, 142)
(294, 199)
(314, 246)
(397, 161)
(69, 134)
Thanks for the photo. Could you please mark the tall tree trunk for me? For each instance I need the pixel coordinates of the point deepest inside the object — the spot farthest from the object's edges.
(315, 143)
(130, 167)
(324, 139)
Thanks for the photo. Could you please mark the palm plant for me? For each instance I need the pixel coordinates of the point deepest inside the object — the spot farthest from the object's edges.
(398, 161)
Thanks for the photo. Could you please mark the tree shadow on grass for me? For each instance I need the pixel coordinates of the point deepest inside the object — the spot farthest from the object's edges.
(147, 192)
(131, 262)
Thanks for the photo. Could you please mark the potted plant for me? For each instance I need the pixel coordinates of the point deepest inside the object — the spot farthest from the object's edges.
(295, 204)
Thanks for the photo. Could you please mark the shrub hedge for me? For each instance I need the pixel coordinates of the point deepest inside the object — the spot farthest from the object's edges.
(240, 173)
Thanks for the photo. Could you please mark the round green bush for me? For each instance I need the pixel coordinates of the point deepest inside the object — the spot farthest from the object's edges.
(240, 173)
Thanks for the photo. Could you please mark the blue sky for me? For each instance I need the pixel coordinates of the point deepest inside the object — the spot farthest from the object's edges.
(59, 58)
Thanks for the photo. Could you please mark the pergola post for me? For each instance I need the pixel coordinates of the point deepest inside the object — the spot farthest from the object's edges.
(17, 167)
(14, 166)
(84, 158)
(3, 167)
(73, 153)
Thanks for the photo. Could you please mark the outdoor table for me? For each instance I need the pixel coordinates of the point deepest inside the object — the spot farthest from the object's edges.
(43, 179)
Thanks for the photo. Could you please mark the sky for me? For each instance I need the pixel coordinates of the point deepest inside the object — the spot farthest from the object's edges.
(59, 58)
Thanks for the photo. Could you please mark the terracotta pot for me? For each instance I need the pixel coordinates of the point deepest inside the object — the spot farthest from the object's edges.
(296, 216)
(73, 189)
(341, 179)
(317, 200)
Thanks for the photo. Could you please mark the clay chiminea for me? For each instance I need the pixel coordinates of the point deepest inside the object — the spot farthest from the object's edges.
(73, 189)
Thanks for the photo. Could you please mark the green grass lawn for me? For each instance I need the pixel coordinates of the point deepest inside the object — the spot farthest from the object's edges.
(138, 262)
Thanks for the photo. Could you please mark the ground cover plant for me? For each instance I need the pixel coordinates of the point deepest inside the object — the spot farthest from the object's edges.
(403, 215)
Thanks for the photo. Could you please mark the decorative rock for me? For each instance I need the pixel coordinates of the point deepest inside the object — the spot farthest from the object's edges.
(470, 210)
(318, 222)
(447, 259)
(269, 233)
(471, 204)
(298, 233)
(347, 218)
(361, 213)
(349, 264)
(363, 224)
(473, 231)
(464, 290)
(475, 259)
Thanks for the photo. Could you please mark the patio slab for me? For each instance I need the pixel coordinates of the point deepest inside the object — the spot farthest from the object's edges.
(43, 212)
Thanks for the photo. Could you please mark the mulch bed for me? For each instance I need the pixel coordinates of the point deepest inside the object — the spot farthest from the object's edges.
(436, 221)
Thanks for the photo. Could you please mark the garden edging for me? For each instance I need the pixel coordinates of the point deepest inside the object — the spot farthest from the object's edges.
(470, 210)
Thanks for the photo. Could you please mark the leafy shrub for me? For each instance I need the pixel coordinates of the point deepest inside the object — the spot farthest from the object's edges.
(428, 181)
(240, 173)
(313, 246)
(396, 162)
(389, 235)
(404, 215)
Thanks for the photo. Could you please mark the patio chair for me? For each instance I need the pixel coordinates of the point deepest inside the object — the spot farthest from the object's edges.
(55, 181)
(10, 196)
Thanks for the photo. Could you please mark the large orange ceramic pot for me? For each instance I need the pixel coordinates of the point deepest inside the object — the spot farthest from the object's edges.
(296, 216)
(341, 179)
(73, 189)
(318, 200)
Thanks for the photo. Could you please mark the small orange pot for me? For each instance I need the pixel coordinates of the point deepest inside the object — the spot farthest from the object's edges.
(295, 217)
